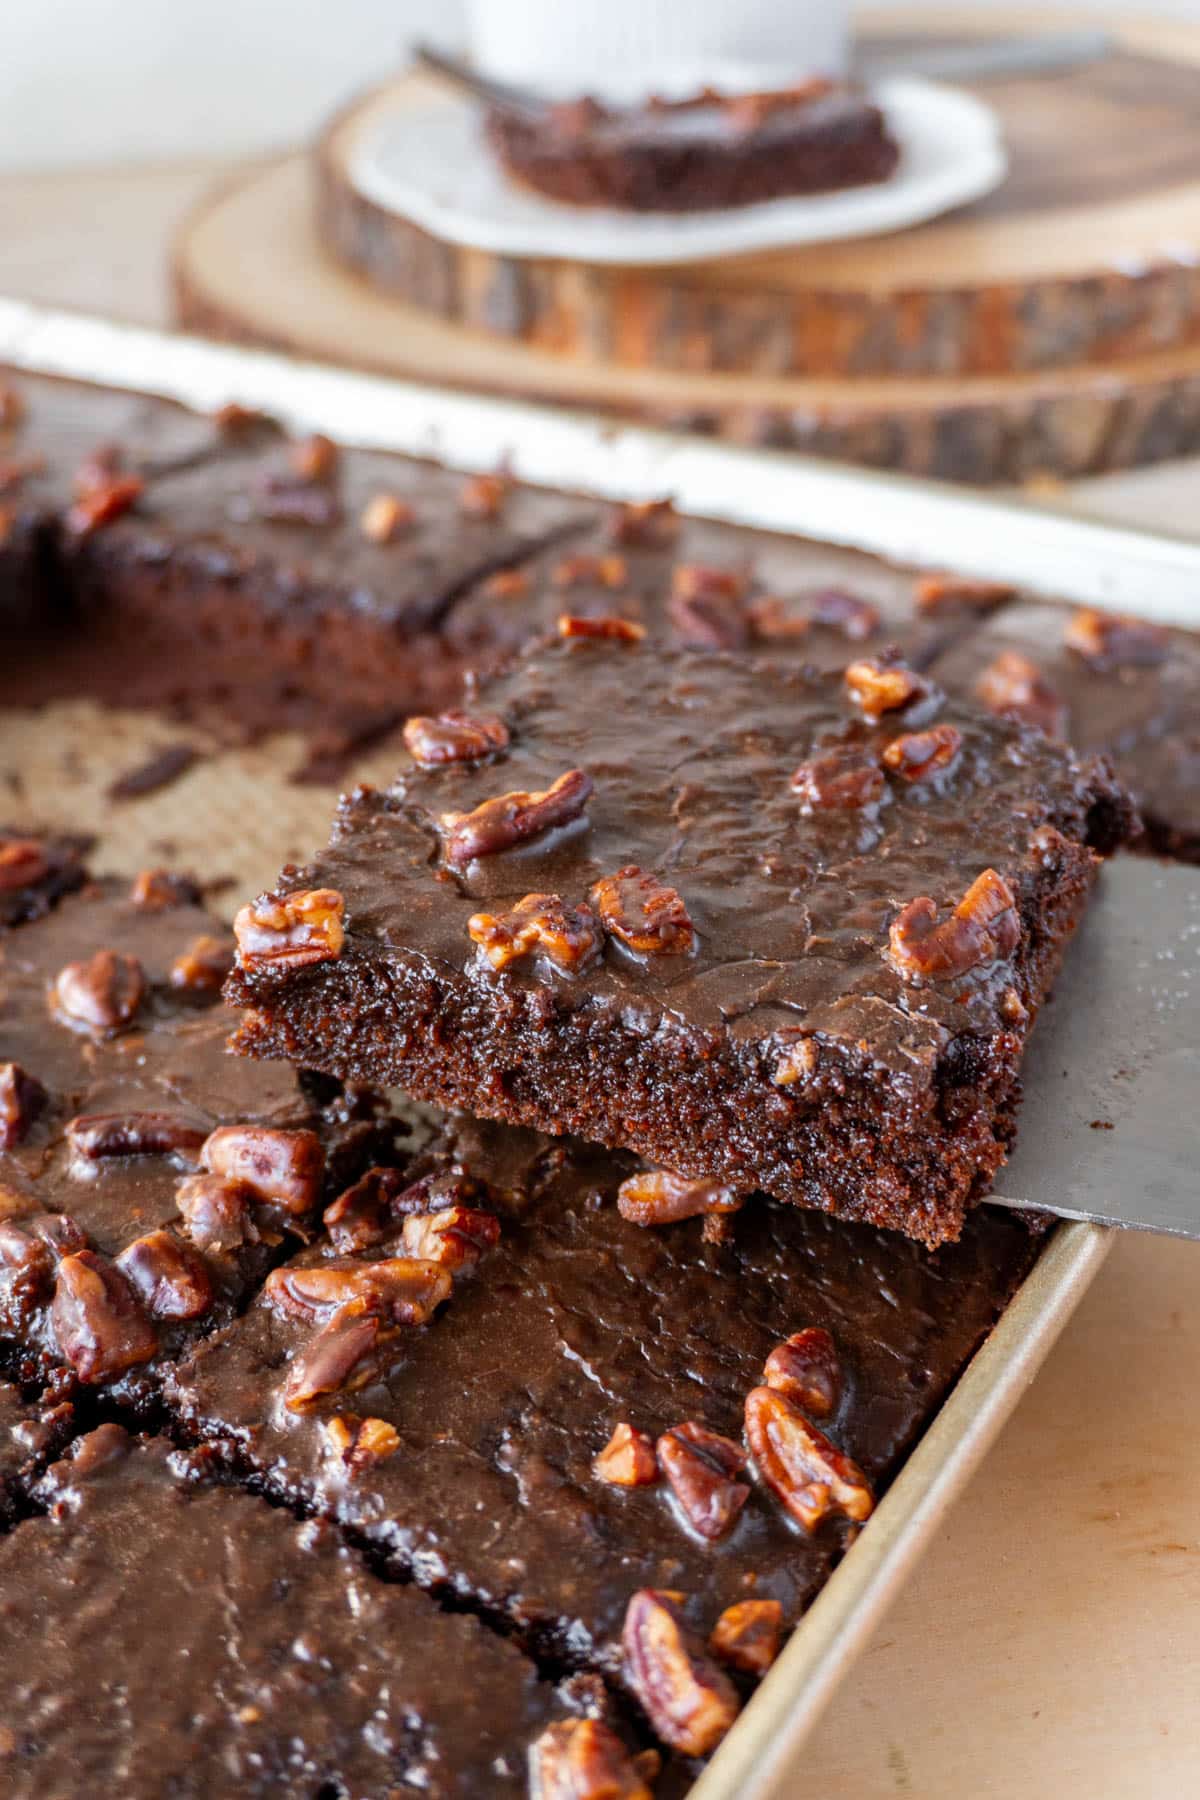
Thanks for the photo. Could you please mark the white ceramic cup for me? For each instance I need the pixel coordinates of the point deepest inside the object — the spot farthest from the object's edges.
(627, 48)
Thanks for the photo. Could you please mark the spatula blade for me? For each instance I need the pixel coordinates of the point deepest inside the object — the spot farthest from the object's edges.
(1109, 1128)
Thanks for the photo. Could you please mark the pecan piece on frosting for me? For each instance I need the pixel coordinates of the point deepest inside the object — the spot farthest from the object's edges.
(217, 1214)
(510, 819)
(339, 1358)
(984, 927)
(455, 1236)
(102, 502)
(23, 862)
(156, 890)
(542, 925)
(313, 458)
(604, 625)
(658, 1197)
(690, 1702)
(585, 571)
(282, 1168)
(386, 517)
(485, 496)
(807, 1472)
(628, 1459)
(879, 687)
(1013, 684)
(806, 1368)
(643, 912)
(99, 996)
(359, 1442)
(707, 606)
(400, 1289)
(584, 1759)
(453, 737)
(291, 931)
(22, 1098)
(644, 524)
(203, 966)
(169, 1277)
(952, 593)
(840, 779)
(1113, 641)
(702, 1468)
(93, 1137)
(97, 1319)
(920, 755)
(747, 1635)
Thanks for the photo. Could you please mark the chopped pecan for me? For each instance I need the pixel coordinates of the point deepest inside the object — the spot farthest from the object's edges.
(283, 1168)
(701, 1467)
(155, 890)
(689, 1701)
(359, 1442)
(385, 517)
(362, 1216)
(798, 1062)
(748, 1634)
(22, 1098)
(806, 1368)
(1015, 685)
(643, 912)
(235, 420)
(510, 819)
(1112, 641)
(644, 524)
(456, 1236)
(58, 1231)
(587, 571)
(485, 496)
(291, 931)
(840, 779)
(750, 112)
(169, 1277)
(507, 584)
(953, 593)
(775, 621)
(919, 755)
(313, 458)
(23, 862)
(848, 613)
(203, 966)
(606, 625)
(337, 1359)
(99, 996)
(217, 1214)
(882, 687)
(628, 1459)
(94, 1137)
(657, 1197)
(984, 927)
(102, 503)
(707, 606)
(539, 925)
(810, 1475)
(26, 1274)
(98, 1321)
(454, 737)
(583, 1759)
(401, 1289)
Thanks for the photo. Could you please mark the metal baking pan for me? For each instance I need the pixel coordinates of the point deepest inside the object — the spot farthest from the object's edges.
(895, 517)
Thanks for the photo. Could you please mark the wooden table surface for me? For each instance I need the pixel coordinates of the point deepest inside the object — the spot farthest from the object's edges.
(1050, 1641)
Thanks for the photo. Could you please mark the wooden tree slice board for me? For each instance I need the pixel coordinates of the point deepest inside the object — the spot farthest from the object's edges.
(248, 267)
(1088, 253)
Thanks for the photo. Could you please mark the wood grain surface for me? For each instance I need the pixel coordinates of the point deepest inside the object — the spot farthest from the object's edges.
(1049, 1642)
(1088, 253)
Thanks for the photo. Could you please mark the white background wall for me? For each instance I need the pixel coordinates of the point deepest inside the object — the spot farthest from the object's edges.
(120, 80)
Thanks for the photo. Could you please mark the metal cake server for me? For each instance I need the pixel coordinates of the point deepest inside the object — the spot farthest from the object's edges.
(1109, 1129)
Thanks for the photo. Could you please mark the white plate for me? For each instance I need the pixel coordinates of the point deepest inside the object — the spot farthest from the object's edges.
(431, 165)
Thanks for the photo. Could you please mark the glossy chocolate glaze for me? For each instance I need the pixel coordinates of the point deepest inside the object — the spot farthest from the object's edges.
(161, 1635)
(575, 1321)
